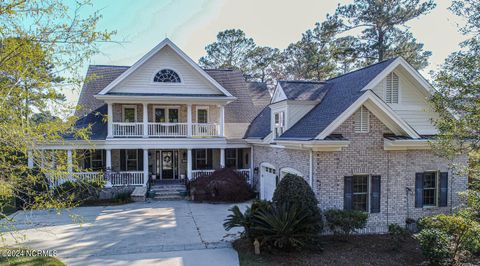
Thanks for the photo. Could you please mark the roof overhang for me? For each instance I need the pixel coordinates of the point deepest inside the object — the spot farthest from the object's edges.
(403, 145)
(314, 145)
(165, 99)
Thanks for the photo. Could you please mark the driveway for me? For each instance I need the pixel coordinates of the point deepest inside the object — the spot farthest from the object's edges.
(155, 232)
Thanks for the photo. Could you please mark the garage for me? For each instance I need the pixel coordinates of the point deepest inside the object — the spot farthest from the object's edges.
(268, 181)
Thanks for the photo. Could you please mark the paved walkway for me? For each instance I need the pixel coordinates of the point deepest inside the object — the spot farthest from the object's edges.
(156, 232)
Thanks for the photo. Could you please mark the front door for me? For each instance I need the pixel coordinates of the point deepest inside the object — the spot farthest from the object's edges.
(167, 164)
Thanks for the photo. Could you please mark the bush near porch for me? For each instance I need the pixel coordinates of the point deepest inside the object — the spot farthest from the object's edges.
(223, 185)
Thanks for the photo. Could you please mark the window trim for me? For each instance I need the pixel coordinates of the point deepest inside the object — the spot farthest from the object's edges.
(280, 125)
(231, 158)
(398, 88)
(359, 120)
(207, 108)
(168, 83)
(367, 193)
(167, 114)
(134, 107)
(436, 189)
(102, 165)
(128, 159)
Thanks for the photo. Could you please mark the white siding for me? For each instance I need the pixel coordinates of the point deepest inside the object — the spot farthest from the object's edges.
(412, 106)
(141, 80)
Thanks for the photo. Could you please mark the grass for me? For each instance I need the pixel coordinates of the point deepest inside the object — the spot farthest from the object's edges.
(30, 261)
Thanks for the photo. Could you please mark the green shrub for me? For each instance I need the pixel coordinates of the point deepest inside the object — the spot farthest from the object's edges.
(461, 233)
(286, 227)
(434, 244)
(398, 234)
(79, 190)
(345, 222)
(294, 190)
(123, 197)
(247, 219)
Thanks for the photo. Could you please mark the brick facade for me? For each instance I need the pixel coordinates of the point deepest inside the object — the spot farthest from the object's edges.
(366, 155)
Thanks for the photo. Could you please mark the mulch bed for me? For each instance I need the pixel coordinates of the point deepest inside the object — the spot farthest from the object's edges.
(359, 250)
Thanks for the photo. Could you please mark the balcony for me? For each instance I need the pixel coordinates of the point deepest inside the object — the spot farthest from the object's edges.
(165, 130)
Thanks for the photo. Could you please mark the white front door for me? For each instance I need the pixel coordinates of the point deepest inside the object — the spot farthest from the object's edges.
(268, 182)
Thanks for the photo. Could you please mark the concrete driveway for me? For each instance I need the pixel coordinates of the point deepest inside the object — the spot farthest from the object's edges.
(155, 232)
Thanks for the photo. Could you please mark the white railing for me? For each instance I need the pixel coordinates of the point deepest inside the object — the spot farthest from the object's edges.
(245, 173)
(126, 129)
(167, 129)
(134, 178)
(204, 130)
(60, 178)
(198, 173)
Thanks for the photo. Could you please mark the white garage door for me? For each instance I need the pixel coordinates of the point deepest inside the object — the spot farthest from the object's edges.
(268, 182)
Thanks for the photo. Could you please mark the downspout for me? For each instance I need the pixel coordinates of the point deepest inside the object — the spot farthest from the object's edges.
(311, 169)
(388, 185)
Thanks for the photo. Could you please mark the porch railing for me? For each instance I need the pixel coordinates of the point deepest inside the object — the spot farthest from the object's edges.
(167, 129)
(60, 178)
(134, 178)
(205, 130)
(126, 129)
(198, 173)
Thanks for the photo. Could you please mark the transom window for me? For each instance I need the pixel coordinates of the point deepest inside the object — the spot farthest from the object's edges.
(279, 125)
(362, 120)
(391, 90)
(360, 193)
(430, 189)
(167, 76)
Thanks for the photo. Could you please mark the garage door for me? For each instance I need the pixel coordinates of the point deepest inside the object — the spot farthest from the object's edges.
(268, 182)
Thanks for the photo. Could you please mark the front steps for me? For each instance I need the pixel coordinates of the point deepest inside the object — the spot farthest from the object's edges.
(170, 191)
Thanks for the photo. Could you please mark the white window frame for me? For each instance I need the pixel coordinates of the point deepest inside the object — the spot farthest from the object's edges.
(437, 188)
(207, 108)
(280, 125)
(167, 114)
(360, 119)
(393, 75)
(92, 160)
(128, 159)
(167, 83)
(231, 158)
(369, 181)
(203, 158)
(128, 107)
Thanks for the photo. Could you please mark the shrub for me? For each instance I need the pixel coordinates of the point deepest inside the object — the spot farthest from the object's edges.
(123, 197)
(345, 222)
(247, 219)
(398, 234)
(434, 244)
(286, 226)
(78, 191)
(294, 190)
(222, 185)
(462, 234)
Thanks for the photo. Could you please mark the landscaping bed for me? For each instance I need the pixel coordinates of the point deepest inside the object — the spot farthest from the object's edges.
(359, 250)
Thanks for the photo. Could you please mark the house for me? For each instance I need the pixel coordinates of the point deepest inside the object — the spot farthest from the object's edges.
(361, 140)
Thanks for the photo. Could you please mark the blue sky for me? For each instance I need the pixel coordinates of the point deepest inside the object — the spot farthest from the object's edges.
(192, 24)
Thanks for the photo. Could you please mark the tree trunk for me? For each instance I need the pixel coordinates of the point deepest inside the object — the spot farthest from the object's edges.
(381, 45)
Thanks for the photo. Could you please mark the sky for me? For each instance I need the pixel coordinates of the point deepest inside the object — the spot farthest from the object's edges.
(192, 24)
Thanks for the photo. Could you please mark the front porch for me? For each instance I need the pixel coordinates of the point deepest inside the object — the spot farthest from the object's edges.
(123, 167)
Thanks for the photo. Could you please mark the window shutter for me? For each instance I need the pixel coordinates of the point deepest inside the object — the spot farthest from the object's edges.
(362, 120)
(348, 193)
(443, 193)
(209, 159)
(239, 158)
(140, 160)
(388, 89)
(86, 160)
(418, 190)
(375, 194)
(123, 163)
(194, 159)
(395, 85)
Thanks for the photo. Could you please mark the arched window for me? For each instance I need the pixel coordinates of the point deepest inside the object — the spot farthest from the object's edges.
(167, 75)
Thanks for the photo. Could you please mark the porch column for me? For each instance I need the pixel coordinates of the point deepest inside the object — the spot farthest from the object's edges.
(42, 159)
(222, 121)
(189, 120)
(30, 159)
(189, 163)
(145, 120)
(310, 174)
(110, 120)
(145, 167)
(222, 157)
(250, 179)
(69, 163)
(108, 166)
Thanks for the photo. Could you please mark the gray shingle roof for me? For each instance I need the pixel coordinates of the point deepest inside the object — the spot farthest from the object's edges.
(303, 90)
(260, 126)
(259, 93)
(96, 120)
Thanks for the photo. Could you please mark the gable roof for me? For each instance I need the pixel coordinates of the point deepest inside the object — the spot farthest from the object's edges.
(151, 53)
(260, 126)
(299, 90)
(96, 121)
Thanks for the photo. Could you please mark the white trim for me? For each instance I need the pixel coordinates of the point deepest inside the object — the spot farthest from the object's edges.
(403, 145)
(124, 106)
(202, 108)
(151, 53)
(375, 102)
(169, 83)
(289, 170)
(167, 115)
(278, 94)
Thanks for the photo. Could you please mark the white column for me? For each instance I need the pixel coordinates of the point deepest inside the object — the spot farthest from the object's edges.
(110, 120)
(69, 163)
(189, 121)
(30, 159)
(145, 167)
(251, 165)
(310, 174)
(189, 163)
(145, 120)
(108, 166)
(222, 121)
(42, 159)
(222, 157)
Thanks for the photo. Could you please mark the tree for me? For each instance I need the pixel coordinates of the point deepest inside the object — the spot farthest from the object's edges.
(384, 33)
(262, 64)
(43, 43)
(229, 51)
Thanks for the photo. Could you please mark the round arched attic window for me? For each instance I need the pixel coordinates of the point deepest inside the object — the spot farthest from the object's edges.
(167, 75)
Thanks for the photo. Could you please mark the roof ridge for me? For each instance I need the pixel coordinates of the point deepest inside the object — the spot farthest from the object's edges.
(302, 81)
(118, 66)
(363, 68)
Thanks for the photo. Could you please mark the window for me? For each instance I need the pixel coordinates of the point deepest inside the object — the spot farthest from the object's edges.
(166, 114)
(167, 76)
(279, 123)
(201, 159)
(131, 160)
(129, 113)
(231, 158)
(360, 193)
(430, 189)
(391, 90)
(202, 115)
(362, 120)
(96, 157)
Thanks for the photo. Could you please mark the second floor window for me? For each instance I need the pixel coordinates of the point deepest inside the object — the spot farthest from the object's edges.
(202, 115)
(279, 123)
(129, 114)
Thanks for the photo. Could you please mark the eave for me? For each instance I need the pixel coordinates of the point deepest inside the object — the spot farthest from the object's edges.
(404, 145)
(315, 145)
(165, 99)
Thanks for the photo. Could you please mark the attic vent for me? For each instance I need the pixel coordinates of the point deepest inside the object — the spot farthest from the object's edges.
(362, 120)
(391, 93)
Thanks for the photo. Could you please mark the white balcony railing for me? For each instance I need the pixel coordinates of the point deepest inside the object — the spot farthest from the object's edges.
(57, 179)
(204, 129)
(134, 178)
(126, 129)
(167, 129)
(207, 172)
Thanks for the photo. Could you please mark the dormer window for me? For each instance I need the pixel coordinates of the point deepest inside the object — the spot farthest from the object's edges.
(362, 120)
(167, 76)
(391, 90)
(279, 123)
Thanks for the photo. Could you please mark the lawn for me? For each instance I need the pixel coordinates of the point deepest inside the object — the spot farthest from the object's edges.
(28, 261)
(359, 250)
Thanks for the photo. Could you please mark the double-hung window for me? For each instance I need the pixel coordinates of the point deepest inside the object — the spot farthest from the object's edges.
(129, 113)
(279, 123)
(431, 189)
(96, 157)
(362, 193)
(201, 160)
(231, 158)
(131, 159)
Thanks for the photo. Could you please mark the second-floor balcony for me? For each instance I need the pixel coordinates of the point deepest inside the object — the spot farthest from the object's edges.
(148, 120)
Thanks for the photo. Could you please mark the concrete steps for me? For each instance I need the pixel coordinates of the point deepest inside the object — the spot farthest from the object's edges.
(168, 191)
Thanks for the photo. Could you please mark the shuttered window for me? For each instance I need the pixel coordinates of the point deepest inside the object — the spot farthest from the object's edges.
(362, 192)
(391, 91)
(362, 120)
(431, 189)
